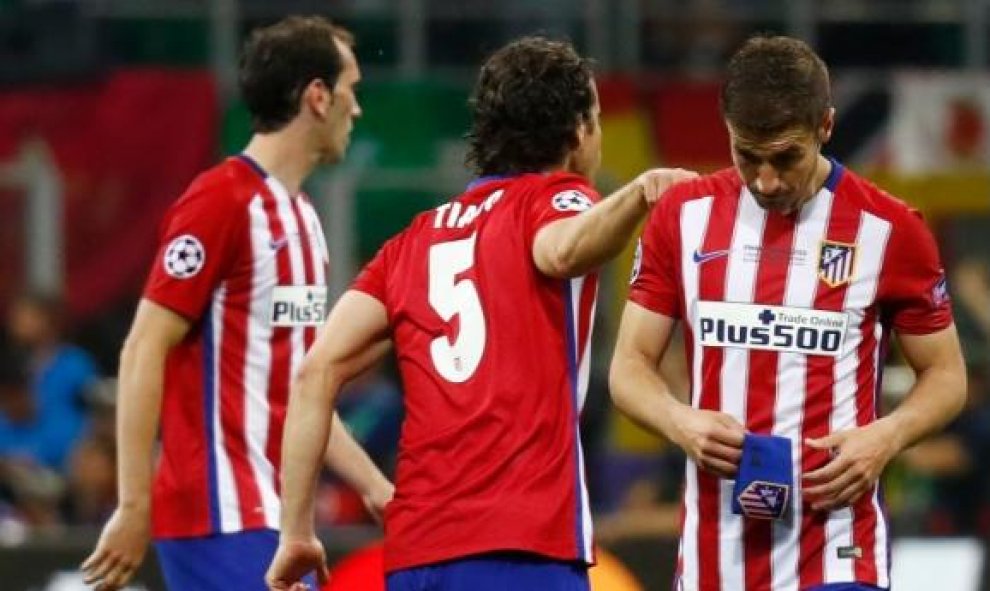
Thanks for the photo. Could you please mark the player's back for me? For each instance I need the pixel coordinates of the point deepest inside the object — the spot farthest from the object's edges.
(494, 362)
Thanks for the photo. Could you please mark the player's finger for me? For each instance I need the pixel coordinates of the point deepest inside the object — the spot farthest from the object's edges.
(832, 487)
(827, 442)
(723, 452)
(718, 467)
(100, 570)
(322, 574)
(93, 559)
(118, 577)
(829, 471)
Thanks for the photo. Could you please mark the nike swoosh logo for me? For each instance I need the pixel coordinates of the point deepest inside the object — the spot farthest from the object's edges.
(277, 244)
(704, 257)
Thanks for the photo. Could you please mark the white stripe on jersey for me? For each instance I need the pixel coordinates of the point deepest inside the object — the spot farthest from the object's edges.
(694, 224)
(318, 241)
(582, 357)
(799, 292)
(230, 512)
(258, 360)
(871, 243)
(882, 540)
(740, 285)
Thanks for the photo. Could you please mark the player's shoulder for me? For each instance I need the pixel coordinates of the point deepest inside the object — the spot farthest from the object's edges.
(225, 188)
(722, 184)
(865, 195)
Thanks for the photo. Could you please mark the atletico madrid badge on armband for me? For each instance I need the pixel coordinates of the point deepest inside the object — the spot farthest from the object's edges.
(764, 500)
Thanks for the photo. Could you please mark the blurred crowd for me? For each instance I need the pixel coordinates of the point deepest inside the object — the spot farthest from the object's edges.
(57, 443)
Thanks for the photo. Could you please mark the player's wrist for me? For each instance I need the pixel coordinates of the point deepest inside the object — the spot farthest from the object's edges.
(135, 504)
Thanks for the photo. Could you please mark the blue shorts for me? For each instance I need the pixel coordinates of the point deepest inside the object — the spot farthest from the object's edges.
(493, 572)
(219, 563)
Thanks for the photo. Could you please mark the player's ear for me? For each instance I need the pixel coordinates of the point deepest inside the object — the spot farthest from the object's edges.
(318, 97)
(827, 125)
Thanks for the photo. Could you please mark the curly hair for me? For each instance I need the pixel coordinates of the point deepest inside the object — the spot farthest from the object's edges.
(529, 99)
(773, 84)
(279, 61)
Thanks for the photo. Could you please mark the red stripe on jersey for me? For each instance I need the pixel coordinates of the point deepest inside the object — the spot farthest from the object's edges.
(309, 331)
(279, 376)
(819, 403)
(233, 350)
(711, 286)
(867, 380)
(771, 277)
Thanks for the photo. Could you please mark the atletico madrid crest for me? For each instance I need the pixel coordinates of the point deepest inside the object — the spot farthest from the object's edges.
(836, 263)
(764, 500)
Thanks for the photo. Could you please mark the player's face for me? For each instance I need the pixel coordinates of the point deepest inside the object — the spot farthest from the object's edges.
(588, 154)
(344, 107)
(782, 171)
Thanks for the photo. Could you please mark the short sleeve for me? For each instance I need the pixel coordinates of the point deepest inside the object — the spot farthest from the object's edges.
(914, 294)
(373, 278)
(563, 197)
(654, 283)
(199, 245)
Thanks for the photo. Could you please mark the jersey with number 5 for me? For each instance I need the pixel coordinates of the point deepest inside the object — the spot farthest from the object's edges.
(493, 357)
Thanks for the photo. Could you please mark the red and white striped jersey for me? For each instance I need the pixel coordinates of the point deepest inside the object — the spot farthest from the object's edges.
(786, 321)
(494, 358)
(246, 263)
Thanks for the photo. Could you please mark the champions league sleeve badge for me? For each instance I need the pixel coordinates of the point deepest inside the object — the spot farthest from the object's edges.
(184, 257)
(571, 200)
(765, 480)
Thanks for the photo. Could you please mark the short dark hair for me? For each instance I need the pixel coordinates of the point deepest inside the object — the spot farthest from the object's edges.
(278, 61)
(526, 106)
(773, 84)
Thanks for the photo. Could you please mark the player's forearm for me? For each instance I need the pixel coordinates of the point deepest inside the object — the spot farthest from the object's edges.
(641, 394)
(349, 460)
(307, 429)
(937, 397)
(594, 237)
(139, 400)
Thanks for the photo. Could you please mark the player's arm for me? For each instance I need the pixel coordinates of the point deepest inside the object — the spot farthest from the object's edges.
(573, 246)
(349, 460)
(712, 439)
(860, 455)
(139, 398)
(357, 323)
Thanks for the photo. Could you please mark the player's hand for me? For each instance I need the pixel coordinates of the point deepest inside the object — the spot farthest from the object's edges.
(858, 457)
(655, 182)
(293, 560)
(376, 500)
(119, 551)
(712, 439)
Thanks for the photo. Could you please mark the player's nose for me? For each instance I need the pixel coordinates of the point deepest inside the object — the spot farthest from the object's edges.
(767, 180)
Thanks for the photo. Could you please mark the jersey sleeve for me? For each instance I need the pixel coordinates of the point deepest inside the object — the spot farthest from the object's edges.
(373, 278)
(913, 288)
(199, 245)
(563, 197)
(654, 282)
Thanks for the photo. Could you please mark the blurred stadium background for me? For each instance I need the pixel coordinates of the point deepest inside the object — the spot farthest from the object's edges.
(108, 108)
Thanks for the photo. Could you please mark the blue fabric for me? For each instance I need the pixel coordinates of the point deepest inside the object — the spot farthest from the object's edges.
(58, 388)
(493, 572)
(846, 587)
(765, 482)
(219, 563)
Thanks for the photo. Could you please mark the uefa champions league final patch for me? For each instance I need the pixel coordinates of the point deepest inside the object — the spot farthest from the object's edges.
(765, 480)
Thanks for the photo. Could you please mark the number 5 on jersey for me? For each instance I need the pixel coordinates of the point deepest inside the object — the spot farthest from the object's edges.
(457, 361)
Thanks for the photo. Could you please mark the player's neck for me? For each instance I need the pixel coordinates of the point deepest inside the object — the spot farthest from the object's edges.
(283, 157)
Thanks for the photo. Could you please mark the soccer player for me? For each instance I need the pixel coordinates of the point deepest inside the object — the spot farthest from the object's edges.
(789, 272)
(235, 297)
(488, 300)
